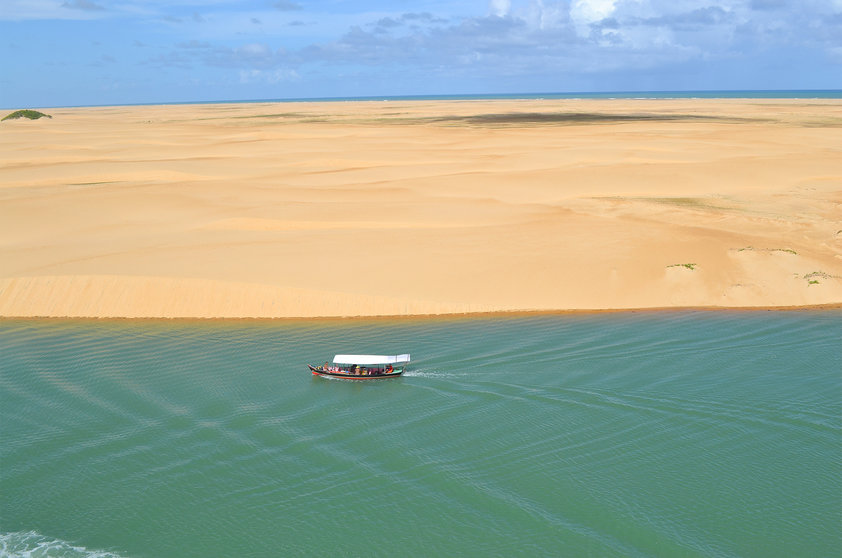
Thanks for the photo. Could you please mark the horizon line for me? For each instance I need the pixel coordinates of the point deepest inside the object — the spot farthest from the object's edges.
(625, 94)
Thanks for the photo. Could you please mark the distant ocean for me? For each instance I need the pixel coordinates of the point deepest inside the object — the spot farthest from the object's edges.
(669, 434)
(737, 94)
(747, 94)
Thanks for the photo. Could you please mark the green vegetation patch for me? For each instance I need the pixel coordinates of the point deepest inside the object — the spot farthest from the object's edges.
(690, 266)
(26, 113)
(753, 249)
(813, 278)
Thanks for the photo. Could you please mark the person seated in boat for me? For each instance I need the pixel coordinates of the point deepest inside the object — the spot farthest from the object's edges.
(389, 369)
(326, 367)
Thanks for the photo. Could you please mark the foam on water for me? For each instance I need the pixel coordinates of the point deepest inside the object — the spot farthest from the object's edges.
(35, 545)
(432, 373)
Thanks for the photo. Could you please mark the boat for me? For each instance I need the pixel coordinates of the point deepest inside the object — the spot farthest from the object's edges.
(362, 367)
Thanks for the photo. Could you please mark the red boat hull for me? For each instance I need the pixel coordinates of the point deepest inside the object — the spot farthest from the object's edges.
(317, 371)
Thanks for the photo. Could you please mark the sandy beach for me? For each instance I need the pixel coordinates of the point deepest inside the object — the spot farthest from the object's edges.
(425, 207)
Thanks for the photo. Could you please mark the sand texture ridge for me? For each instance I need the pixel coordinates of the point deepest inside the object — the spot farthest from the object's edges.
(421, 207)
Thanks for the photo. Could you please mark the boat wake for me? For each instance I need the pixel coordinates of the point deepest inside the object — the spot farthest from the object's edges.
(32, 544)
(422, 373)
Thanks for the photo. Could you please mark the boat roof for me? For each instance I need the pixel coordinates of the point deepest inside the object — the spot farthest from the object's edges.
(370, 359)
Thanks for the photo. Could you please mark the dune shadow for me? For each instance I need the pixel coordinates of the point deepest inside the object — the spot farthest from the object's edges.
(570, 118)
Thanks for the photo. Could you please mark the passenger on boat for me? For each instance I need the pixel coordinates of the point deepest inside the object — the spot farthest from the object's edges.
(389, 369)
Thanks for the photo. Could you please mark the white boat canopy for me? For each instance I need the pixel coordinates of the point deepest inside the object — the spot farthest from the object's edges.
(370, 359)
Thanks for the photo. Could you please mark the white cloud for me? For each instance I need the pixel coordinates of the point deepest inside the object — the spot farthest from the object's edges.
(500, 8)
(277, 75)
(20, 10)
(473, 45)
(547, 36)
(85, 5)
(584, 12)
(547, 15)
(254, 50)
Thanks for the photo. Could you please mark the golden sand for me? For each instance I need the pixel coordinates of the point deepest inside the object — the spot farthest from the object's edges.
(407, 208)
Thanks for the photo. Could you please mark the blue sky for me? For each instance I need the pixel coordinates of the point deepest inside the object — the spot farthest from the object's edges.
(83, 52)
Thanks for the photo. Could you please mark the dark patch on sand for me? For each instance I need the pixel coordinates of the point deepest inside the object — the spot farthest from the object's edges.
(572, 118)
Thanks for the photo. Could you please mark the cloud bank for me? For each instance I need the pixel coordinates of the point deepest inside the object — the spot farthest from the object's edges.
(323, 47)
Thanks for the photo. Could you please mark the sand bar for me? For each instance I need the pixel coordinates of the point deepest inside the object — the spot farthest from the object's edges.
(407, 208)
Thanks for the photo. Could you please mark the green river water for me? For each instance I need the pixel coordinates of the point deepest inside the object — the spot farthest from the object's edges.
(632, 434)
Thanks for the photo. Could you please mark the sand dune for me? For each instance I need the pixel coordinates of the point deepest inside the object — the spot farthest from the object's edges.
(404, 208)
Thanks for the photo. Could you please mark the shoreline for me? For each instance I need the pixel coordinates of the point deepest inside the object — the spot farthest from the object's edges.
(832, 307)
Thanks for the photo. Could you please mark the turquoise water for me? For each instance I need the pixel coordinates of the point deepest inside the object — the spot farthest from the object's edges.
(638, 434)
(706, 94)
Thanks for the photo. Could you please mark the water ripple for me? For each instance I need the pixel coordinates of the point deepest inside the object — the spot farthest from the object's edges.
(669, 434)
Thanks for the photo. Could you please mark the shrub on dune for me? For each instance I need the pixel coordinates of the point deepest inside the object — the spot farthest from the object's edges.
(30, 114)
